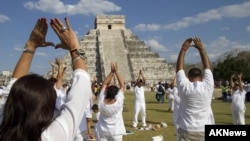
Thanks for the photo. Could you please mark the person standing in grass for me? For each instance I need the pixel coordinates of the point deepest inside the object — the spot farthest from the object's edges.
(238, 106)
(140, 105)
(196, 93)
(110, 126)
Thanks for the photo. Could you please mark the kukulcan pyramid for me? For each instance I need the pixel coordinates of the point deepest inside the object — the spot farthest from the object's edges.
(110, 41)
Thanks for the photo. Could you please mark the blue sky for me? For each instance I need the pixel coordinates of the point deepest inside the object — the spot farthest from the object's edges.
(223, 25)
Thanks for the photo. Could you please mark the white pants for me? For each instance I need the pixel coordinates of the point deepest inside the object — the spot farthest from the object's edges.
(238, 117)
(139, 108)
(171, 104)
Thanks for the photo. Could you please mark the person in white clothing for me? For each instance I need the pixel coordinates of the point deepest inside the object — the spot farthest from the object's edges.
(85, 131)
(247, 89)
(110, 126)
(139, 101)
(96, 112)
(196, 92)
(176, 106)
(171, 98)
(29, 110)
(56, 79)
(238, 106)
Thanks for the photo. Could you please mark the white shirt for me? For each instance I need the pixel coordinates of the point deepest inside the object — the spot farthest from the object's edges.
(65, 126)
(139, 94)
(87, 114)
(170, 94)
(111, 119)
(247, 87)
(176, 104)
(156, 88)
(238, 100)
(195, 109)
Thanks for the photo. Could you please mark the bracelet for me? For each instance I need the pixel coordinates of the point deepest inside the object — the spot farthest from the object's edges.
(184, 49)
(27, 50)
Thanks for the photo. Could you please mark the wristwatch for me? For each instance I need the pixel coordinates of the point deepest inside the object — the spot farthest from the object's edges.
(27, 50)
(80, 52)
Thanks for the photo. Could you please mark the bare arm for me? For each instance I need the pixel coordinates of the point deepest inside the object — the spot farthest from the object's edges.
(231, 81)
(60, 73)
(108, 78)
(143, 78)
(53, 69)
(204, 58)
(36, 39)
(119, 78)
(89, 131)
(240, 81)
(180, 60)
(69, 41)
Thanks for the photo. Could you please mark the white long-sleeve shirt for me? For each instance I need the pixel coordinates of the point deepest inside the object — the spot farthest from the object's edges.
(195, 109)
(65, 126)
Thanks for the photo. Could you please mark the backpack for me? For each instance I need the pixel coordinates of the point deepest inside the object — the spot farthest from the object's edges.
(160, 89)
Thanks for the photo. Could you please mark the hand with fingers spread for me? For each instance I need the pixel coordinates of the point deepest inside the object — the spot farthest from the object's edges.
(38, 35)
(197, 43)
(67, 36)
(61, 68)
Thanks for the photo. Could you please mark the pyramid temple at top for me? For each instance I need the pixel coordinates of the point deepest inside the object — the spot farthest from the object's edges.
(110, 41)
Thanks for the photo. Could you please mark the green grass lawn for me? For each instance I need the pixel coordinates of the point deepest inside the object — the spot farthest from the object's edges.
(157, 112)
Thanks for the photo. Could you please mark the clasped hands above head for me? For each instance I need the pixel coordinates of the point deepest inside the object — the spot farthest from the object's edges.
(187, 43)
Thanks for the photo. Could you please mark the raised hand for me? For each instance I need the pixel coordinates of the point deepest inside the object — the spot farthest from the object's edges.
(187, 43)
(38, 35)
(67, 36)
(197, 43)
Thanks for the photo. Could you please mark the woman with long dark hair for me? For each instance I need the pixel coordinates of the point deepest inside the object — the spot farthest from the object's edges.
(28, 113)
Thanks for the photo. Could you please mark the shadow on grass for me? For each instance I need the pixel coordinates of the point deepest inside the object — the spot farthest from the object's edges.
(223, 123)
(155, 102)
(158, 110)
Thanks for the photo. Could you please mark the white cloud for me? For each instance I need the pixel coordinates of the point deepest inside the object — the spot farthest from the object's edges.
(248, 28)
(155, 45)
(149, 27)
(216, 49)
(4, 18)
(85, 7)
(225, 28)
(40, 53)
(230, 11)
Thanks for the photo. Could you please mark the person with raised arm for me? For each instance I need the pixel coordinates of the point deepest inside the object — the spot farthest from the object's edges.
(29, 110)
(110, 126)
(139, 101)
(238, 106)
(196, 92)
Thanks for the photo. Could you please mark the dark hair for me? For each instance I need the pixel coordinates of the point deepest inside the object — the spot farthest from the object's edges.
(111, 92)
(95, 107)
(194, 72)
(29, 109)
(52, 80)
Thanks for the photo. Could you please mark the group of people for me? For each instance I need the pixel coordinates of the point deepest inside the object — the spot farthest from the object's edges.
(42, 109)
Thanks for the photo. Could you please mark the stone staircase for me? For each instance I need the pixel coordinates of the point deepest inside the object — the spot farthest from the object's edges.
(112, 50)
